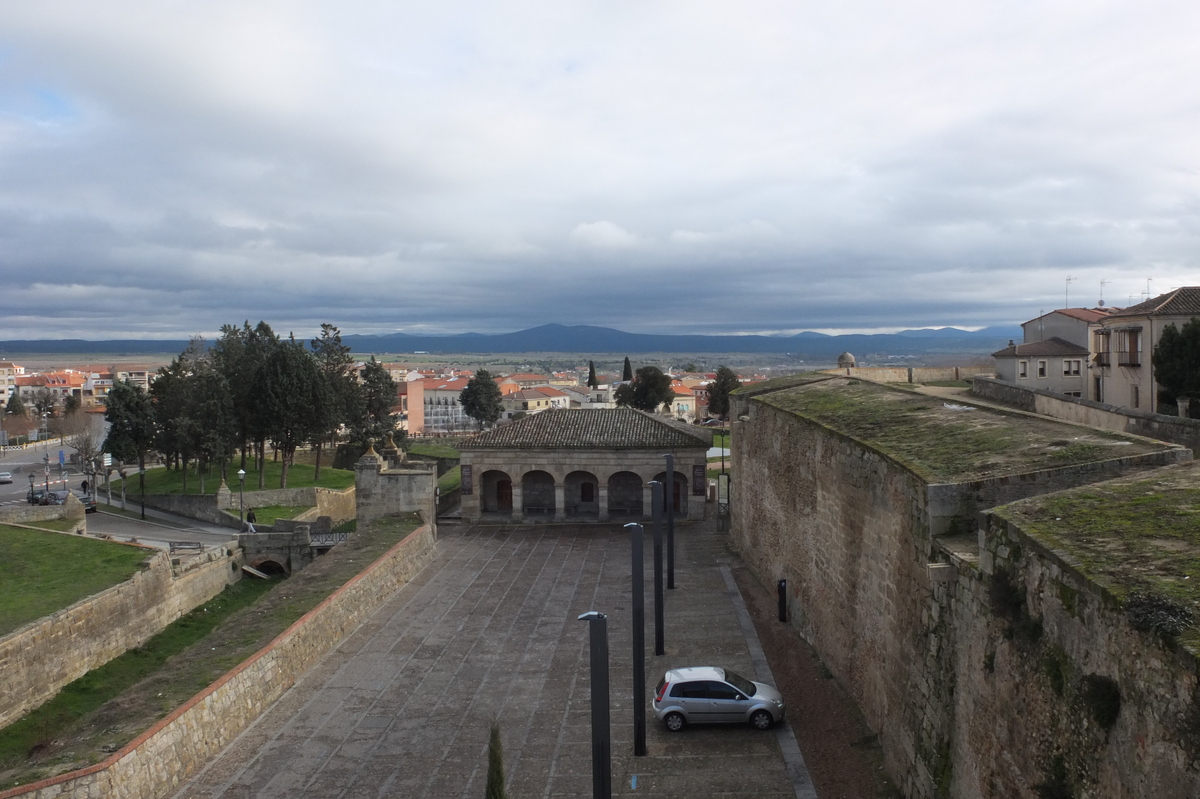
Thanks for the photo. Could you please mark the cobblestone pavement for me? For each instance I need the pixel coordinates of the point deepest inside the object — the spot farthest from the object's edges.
(489, 631)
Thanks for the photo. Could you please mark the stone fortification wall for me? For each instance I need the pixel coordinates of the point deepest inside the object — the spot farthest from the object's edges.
(25, 513)
(156, 763)
(902, 617)
(222, 508)
(1018, 692)
(911, 374)
(40, 658)
(1177, 430)
(380, 491)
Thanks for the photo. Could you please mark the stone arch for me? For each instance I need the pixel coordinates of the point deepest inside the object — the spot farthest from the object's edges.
(269, 567)
(680, 492)
(496, 493)
(537, 493)
(581, 491)
(625, 495)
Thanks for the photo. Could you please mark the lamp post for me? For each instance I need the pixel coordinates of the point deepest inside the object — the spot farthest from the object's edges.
(601, 736)
(669, 502)
(142, 484)
(638, 568)
(242, 498)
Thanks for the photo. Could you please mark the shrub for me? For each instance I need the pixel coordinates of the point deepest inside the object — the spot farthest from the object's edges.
(1155, 613)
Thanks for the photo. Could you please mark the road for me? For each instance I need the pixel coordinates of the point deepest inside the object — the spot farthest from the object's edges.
(33, 460)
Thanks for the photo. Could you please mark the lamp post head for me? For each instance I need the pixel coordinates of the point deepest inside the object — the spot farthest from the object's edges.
(592, 615)
(241, 474)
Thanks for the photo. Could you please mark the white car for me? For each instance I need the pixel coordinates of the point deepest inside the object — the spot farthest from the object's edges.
(709, 694)
(5, 477)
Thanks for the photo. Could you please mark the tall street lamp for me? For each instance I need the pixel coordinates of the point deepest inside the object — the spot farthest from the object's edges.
(601, 736)
(242, 498)
(142, 483)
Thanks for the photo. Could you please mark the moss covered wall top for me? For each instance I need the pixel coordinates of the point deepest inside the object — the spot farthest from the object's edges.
(942, 442)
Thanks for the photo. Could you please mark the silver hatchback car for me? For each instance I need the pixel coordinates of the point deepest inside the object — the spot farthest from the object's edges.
(709, 694)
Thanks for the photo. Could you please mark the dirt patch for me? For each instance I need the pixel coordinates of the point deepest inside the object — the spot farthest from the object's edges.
(843, 755)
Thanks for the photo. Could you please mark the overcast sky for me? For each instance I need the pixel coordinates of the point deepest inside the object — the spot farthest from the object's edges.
(680, 167)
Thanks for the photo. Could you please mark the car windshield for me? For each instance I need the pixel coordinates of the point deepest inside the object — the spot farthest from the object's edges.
(739, 682)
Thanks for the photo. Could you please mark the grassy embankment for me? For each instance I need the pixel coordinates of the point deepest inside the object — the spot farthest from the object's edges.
(720, 439)
(170, 481)
(111, 705)
(41, 573)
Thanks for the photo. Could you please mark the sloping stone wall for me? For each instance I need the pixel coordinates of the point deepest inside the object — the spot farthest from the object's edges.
(25, 513)
(40, 658)
(157, 763)
(903, 618)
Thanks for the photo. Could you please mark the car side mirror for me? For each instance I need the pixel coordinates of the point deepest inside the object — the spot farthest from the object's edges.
(740, 698)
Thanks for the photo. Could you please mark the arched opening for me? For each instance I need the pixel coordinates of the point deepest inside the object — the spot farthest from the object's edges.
(679, 492)
(537, 494)
(582, 495)
(496, 493)
(271, 568)
(625, 496)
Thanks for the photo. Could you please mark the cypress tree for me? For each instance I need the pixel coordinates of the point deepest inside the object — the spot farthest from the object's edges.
(592, 381)
(495, 774)
(627, 375)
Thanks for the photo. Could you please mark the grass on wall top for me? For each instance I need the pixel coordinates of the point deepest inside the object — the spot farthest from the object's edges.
(947, 444)
(170, 481)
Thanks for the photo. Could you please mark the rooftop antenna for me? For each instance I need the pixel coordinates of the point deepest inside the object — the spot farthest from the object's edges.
(1149, 280)
(1103, 283)
(1067, 293)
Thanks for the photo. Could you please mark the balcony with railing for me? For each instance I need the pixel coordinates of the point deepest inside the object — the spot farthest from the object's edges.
(1104, 359)
(1129, 359)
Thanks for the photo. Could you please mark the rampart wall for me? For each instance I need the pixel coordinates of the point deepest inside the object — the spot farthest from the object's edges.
(40, 658)
(911, 374)
(1177, 430)
(32, 514)
(156, 763)
(903, 619)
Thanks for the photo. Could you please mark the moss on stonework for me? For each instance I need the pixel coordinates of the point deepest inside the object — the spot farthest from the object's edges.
(1133, 536)
(943, 442)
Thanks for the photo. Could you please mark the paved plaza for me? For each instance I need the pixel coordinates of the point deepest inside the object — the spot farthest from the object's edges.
(488, 631)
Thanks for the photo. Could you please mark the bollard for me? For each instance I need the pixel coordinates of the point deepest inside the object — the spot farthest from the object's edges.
(782, 591)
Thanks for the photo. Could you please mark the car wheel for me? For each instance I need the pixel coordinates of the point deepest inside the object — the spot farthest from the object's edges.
(674, 721)
(761, 720)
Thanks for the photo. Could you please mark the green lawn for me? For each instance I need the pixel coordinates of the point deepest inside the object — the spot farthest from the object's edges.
(721, 439)
(451, 480)
(269, 513)
(170, 481)
(44, 572)
(432, 450)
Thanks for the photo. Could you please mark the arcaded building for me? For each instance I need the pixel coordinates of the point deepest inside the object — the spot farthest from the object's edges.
(582, 465)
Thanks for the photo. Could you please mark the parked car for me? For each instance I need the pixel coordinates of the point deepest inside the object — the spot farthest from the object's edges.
(89, 502)
(710, 694)
(39, 496)
(5, 478)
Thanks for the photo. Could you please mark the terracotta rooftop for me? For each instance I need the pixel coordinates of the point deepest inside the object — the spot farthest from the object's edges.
(614, 428)
(1184, 301)
(1051, 346)
(1085, 314)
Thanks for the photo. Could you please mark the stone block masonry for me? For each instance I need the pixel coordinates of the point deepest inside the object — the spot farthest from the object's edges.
(888, 580)
(159, 761)
(42, 657)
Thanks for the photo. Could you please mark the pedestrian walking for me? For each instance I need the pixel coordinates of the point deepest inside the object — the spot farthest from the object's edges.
(250, 520)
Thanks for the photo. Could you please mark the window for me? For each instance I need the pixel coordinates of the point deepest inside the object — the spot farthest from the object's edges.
(1041, 368)
(1103, 342)
(1071, 368)
(1022, 368)
(1129, 347)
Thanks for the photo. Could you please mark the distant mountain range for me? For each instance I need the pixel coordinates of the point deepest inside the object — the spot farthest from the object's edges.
(597, 340)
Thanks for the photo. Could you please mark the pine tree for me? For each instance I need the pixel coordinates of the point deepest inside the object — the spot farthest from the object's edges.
(718, 392)
(481, 399)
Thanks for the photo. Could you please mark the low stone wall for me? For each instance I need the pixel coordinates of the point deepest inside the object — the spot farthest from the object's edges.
(157, 762)
(194, 506)
(339, 506)
(1177, 430)
(25, 513)
(40, 658)
(911, 374)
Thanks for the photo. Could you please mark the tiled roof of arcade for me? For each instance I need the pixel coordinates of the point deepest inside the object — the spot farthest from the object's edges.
(949, 442)
(602, 428)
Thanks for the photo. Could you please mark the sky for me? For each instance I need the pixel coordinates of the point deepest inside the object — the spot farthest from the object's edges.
(657, 167)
